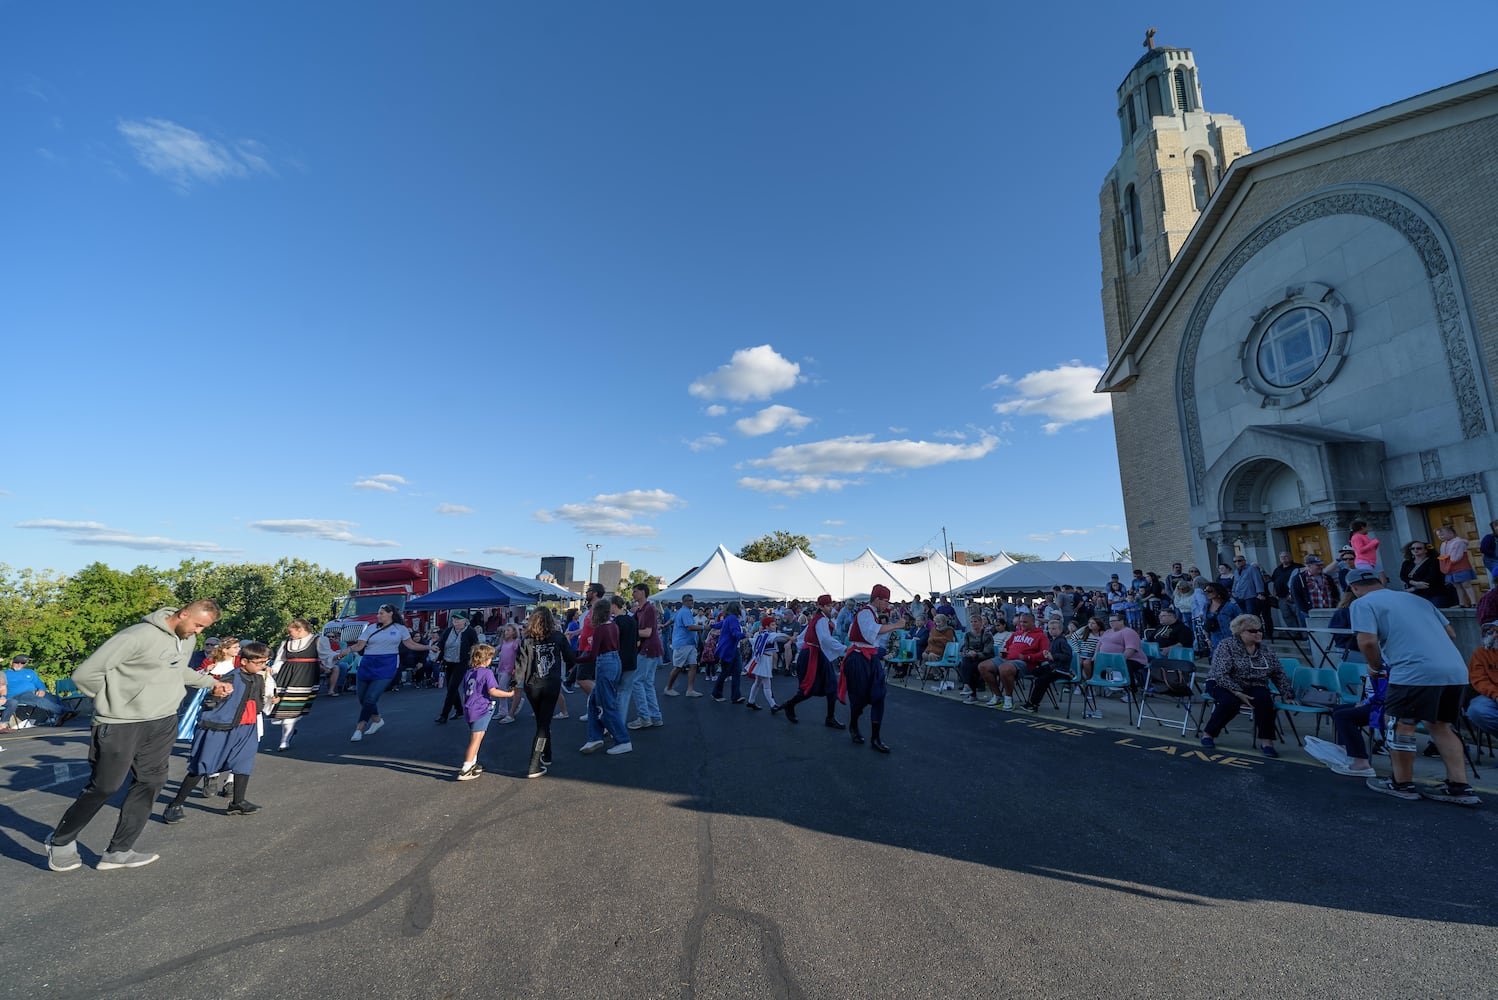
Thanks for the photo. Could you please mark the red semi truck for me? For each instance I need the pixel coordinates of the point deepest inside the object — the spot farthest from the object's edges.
(396, 581)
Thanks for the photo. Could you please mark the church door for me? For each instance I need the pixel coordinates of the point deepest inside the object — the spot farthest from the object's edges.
(1457, 515)
(1302, 540)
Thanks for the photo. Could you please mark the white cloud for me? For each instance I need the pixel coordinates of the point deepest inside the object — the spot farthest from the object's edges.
(506, 550)
(951, 435)
(1108, 527)
(835, 541)
(331, 531)
(716, 411)
(796, 486)
(899, 430)
(614, 513)
(706, 442)
(772, 418)
(183, 156)
(1063, 394)
(94, 533)
(385, 482)
(1072, 531)
(834, 523)
(453, 508)
(861, 453)
(647, 548)
(752, 373)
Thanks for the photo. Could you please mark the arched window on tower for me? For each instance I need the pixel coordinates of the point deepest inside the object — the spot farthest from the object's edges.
(1152, 96)
(1132, 220)
(1133, 121)
(1182, 90)
(1200, 184)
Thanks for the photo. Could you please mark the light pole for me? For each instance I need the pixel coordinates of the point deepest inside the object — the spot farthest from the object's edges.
(593, 547)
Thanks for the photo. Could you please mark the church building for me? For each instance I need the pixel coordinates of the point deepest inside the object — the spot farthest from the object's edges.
(1305, 334)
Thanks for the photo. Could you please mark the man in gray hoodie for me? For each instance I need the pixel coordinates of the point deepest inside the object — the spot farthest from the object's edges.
(136, 680)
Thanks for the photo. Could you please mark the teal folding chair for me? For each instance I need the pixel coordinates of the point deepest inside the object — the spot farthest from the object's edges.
(904, 659)
(937, 669)
(1302, 680)
(1352, 677)
(1110, 672)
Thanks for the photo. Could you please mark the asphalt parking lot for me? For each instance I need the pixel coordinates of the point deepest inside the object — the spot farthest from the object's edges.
(735, 855)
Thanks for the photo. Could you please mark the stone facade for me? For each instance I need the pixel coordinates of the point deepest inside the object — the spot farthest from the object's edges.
(1388, 225)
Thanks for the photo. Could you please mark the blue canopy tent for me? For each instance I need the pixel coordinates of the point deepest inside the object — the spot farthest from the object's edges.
(474, 592)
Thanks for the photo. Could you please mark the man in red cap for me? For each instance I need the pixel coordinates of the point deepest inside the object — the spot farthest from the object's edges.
(814, 665)
(863, 673)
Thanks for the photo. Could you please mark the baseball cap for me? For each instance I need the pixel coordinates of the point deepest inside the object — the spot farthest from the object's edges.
(1491, 624)
(1314, 561)
(1363, 576)
(23, 658)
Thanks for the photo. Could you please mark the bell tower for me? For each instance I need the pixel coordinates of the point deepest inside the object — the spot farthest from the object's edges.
(1174, 153)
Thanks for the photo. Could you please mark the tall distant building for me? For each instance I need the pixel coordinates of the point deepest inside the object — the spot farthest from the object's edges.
(1303, 335)
(611, 573)
(560, 567)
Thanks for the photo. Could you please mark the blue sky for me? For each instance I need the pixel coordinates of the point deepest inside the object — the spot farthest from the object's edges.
(488, 281)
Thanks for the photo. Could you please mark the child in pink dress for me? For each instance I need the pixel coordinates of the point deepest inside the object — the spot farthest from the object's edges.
(1364, 547)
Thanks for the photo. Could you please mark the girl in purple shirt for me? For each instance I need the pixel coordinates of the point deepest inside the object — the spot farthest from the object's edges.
(478, 686)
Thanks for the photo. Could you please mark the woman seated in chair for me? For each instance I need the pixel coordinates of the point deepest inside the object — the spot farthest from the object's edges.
(1084, 643)
(941, 634)
(977, 646)
(1242, 667)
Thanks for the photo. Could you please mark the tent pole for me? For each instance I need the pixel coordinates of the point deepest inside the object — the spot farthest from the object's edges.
(946, 556)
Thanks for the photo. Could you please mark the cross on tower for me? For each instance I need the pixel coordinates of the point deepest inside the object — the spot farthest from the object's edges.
(1149, 39)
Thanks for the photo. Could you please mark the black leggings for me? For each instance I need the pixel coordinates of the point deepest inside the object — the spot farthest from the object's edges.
(543, 699)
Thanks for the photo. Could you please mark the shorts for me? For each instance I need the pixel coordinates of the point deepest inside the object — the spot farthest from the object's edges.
(1424, 702)
(587, 670)
(482, 725)
(1461, 577)
(684, 656)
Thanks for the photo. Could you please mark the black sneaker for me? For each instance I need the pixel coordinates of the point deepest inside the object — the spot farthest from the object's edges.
(740, 701)
(245, 808)
(1431, 750)
(172, 814)
(1461, 795)
(752, 706)
(1025, 706)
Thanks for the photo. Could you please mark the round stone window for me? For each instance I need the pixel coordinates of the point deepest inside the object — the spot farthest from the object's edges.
(1296, 345)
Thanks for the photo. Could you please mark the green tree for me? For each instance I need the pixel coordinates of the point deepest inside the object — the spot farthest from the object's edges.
(258, 599)
(59, 620)
(638, 576)
(1023, 556)
(768, 548)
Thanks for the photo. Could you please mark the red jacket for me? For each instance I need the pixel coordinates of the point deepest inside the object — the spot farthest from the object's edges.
(1482, 672)
(1029, 646)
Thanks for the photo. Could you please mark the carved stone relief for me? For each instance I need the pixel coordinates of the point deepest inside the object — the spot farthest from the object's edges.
(1365, 200)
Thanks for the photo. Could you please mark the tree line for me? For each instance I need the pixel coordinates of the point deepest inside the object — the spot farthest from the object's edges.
(58, 619)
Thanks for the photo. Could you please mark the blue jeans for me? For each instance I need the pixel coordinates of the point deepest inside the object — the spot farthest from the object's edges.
(369, 690)
(729, 667)
(603, 703)
(48, 703)
(647, 706)
(1482, 712)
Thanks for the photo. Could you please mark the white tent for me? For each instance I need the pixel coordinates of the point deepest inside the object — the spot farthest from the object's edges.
(1040, 577)
(724, 576)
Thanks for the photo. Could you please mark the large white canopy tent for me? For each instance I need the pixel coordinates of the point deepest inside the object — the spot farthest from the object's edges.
(724, 576)
(1040, 577)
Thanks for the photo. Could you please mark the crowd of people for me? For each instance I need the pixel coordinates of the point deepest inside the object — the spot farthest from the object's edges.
(151, 686)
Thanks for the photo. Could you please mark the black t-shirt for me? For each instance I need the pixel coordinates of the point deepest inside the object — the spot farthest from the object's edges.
(1174, 634)
(629, 641)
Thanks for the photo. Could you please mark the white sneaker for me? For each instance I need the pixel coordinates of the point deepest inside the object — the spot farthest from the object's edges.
(358, 735)
(590, 746)
(374, 727)
(992, 702)
(619, 748)
(694, 694)
(672, 693)
(969, 700)
(637, 724)
(1092, 715)
(1008, 704)
(657, 723)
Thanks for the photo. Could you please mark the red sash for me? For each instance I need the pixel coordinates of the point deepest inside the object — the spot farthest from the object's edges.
(813, 647)
(856, 644)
